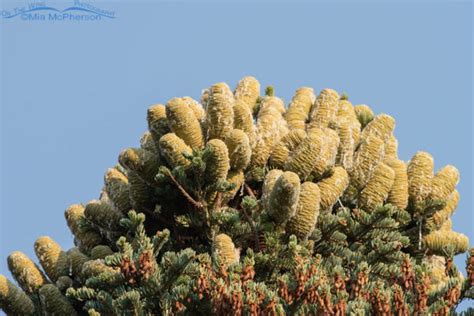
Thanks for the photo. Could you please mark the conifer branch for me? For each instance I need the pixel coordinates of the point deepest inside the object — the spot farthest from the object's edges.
(189, 198)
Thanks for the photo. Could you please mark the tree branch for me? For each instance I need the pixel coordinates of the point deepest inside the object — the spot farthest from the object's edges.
(249, 190)
(218, 201)
(188, 197)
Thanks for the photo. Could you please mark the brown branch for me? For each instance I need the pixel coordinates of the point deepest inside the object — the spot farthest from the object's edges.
(218, 201)
(249, 190)
(188, 197)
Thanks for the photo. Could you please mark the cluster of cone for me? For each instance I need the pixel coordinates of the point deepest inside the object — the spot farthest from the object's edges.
(309, 155)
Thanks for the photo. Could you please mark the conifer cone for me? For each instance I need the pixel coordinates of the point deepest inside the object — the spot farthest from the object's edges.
(270, 103)
(157, 122)
(219, 111)
(239, 149)
(381, 126)
(420, 175)
(444, 183)
(333, 187)
(438, 240)
(100, 252)
(307, 211)
(85, 238)
(398, 195)
(348, 129)
(303, 159)
(217, 161)
(377, 189)
(173, 150)
(443, 215)
(144, 163)
(287, 144)
(77, 260)
(369, 154)
(103, 216)
(248, 91)
(324, 109)
(299, 108)
(196, 107)
(141, 194)
(326, 160)
(118, 189)
(271, 127)
(96, 267)
(26, 272)
(345, 156)
(346, 111)
(267, 188)
(225, 249)
(346, 114)
(13, 300)
(243, 120)
(53, 259)
(284, 197)
(54, 302)
(184, 123)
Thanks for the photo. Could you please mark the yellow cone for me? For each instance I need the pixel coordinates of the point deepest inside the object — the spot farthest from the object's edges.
(248, 91)
(420, 175)
(299, 108)
(53, 259)
(184, 123)
(284, 197)
(239, 149)
(377, 189)
(367, 157)
(217, 162)
(333, 187)
(225, 249)
(172, 148)
(219, 111)
(270, 180)
(287, 144)
(303, 159)
(444, 183)
(26, 272)
(324, 109)
(307, 211)
(398, 195)
(381, 126)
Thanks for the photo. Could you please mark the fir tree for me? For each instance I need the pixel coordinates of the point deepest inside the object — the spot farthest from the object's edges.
(237, 205)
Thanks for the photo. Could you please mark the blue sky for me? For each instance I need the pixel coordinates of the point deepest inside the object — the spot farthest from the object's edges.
(75, 93)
